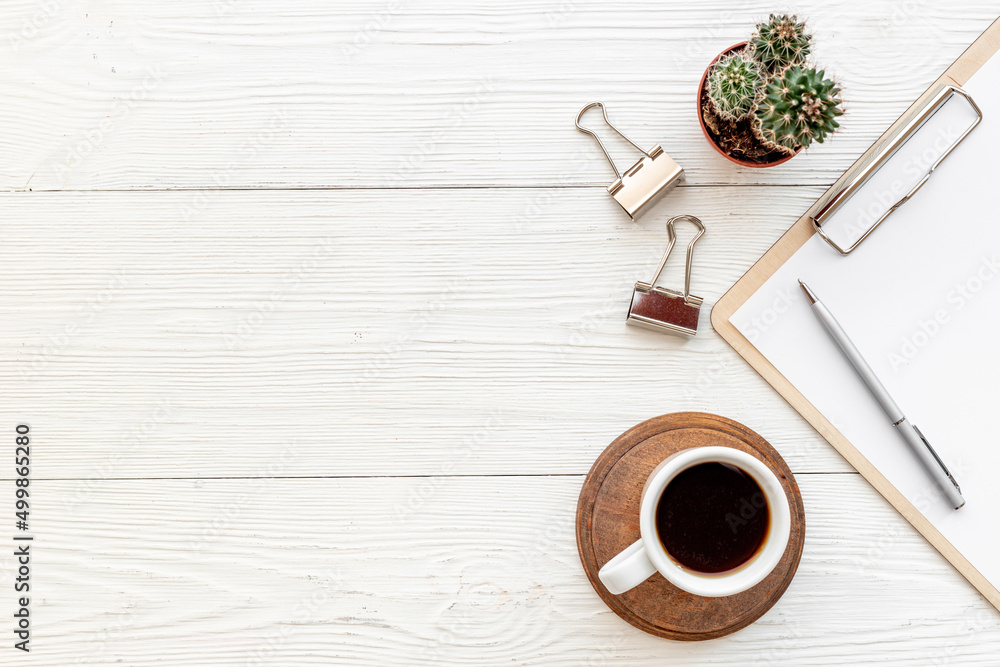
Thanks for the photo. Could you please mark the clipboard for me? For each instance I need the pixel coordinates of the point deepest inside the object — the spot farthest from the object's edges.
(790, 242)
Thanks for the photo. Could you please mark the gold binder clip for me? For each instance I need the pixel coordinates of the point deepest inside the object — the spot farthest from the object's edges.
(665, 309)
(644, 182)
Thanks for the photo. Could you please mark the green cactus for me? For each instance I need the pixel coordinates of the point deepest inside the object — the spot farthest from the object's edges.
(780, 42)
(734, 84)
(799, 107)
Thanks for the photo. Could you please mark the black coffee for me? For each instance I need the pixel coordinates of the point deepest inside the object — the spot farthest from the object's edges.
(712, 517)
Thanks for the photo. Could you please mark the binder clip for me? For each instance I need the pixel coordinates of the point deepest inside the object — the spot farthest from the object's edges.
(646, 181)
(663, 309)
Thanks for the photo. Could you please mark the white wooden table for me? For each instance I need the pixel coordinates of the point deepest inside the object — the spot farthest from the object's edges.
(316, 313)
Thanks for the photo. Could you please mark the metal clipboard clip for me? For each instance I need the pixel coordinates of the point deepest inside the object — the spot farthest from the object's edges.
(664, 309)
(644, 182)
(854, 233)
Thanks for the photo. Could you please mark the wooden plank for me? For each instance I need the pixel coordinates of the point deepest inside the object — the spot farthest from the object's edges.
(389, 93)
(958, 73)
(428, 334)
(402, 332)
(482, 571)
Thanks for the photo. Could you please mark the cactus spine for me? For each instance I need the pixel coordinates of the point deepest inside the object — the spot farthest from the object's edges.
(780, 42)
(799, 107)
(734, 85)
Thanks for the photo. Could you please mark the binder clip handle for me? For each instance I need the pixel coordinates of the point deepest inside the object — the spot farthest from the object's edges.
(600, 143)
(690, 251)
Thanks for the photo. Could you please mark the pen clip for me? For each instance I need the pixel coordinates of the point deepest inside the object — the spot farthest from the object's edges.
(936, 457)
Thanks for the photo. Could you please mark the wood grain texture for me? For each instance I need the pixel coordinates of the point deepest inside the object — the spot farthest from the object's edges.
(183, 572)
(353, 258)
(607, 522)
(368, 93)
(350, 323)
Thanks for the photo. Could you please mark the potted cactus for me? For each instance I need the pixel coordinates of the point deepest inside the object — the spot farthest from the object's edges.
(760, 102)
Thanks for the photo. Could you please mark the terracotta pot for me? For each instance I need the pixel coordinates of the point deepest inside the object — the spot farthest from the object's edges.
(708, 137)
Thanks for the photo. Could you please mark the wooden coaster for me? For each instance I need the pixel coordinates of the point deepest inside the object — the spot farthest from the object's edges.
(607, 521)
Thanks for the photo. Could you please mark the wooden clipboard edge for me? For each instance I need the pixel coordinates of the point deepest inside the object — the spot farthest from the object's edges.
(958, 73)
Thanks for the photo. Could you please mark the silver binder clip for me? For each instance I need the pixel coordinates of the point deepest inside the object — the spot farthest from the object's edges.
(644, 182)
(664, 309)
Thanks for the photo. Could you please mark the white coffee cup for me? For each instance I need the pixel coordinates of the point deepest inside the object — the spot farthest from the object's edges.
(647, 556)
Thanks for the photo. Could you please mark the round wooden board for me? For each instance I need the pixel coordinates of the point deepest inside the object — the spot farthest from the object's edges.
(607, 521)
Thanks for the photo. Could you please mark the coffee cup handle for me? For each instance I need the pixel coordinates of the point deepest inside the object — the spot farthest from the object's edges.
(627, 570)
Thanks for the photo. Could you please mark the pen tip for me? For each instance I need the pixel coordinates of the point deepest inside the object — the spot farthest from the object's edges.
(809, 293)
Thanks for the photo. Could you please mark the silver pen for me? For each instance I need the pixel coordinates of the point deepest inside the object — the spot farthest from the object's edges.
(910, 433)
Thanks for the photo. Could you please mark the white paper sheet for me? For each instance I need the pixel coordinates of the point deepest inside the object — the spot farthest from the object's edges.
(921, 299)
